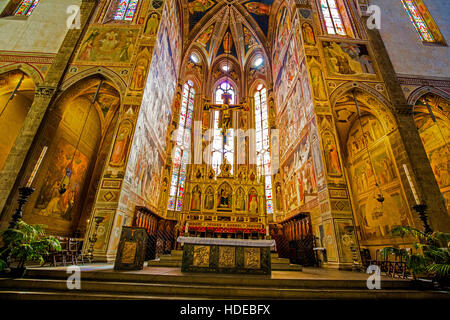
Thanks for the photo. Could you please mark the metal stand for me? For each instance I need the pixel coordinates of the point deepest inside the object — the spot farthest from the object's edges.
(24, 194)
(93, 238)
(421, 211)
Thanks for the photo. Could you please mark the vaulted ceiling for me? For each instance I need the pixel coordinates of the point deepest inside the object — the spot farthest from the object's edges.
(229, 27)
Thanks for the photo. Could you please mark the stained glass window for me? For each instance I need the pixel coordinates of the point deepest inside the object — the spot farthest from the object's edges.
(182, 148)
(219, 151)
(26, 7)
(332, 17)
(418, 21)
(126, 10)
(263, 160)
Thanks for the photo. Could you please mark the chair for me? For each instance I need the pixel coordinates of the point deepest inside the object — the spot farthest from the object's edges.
(77, 251)
(64, 253)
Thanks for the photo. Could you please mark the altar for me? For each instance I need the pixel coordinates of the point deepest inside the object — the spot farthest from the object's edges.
(221, 255)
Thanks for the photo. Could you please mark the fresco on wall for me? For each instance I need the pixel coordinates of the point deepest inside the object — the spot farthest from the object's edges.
(292, 120)
(146, 160)
(108, 44)
(286, 74)
(375, 219)
(122, 144)
(50, 202)
(343, 58)
(282, 32)
(434, 137)
(300, 176)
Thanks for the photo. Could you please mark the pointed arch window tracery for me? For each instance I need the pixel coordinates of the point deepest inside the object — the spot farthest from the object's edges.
(26, 7)
(125, 10)
(263, 159)
(332, 17)
(182, 148)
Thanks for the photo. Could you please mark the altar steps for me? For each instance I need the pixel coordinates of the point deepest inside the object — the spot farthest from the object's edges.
(51, 284)
(174, 261)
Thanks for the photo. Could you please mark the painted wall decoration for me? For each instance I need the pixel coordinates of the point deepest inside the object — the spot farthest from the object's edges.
(145, 165)
(435, 137)
(292, 120)
(122, 144)
(250, 40)
(282, 32)
(260, 11)
(308, 35)
(300, 176)
(106, 44)
(287, 73)
(375, 219)
(50, 202)
(140, 71)
(152, 24)
(348, 59)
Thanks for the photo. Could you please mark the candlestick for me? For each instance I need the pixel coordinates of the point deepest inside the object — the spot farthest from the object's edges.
(411, 185)
(36, 167)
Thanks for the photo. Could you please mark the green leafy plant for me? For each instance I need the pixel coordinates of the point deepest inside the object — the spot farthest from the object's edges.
(26, 243)
(432, 256)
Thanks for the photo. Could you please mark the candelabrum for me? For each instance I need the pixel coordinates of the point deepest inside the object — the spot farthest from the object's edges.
(421, 211)
(24, 194)
(353, 248)
(93, 238)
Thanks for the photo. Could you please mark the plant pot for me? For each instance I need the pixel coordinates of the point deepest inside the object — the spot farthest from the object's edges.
(421, 284)
(17, 272)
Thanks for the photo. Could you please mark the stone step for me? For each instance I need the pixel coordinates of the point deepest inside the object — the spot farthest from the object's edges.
(286, 267)
(280, 261)
(218, 279)
(164, 264)
(127, 289)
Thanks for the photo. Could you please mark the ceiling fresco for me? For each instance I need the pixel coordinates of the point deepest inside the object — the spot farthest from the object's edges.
(235, 27)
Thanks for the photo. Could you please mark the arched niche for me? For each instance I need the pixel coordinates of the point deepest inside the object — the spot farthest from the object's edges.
(370, 166)
(432, 119)
(78, 133)
(16, 97)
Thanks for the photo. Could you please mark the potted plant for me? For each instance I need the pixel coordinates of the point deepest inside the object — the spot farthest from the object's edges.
(23, 244)
(432, 256)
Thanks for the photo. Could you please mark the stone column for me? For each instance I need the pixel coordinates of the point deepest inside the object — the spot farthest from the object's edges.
(333, 210)
(411, 151)
(44, 97)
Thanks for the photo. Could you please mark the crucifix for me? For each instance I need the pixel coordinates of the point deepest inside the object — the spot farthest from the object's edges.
(227, 108)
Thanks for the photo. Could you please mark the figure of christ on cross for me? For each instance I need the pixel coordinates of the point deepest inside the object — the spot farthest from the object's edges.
(227, 110)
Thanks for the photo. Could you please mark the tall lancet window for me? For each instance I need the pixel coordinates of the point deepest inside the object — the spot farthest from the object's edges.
(332, 17)
(182, 149)
(26, 7)
(263, 162)
(418, 21)
(219, 150)
(126, 10)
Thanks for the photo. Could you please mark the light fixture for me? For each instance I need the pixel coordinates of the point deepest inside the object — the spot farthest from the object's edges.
(225, 68)
(194, 58)
(258, 62)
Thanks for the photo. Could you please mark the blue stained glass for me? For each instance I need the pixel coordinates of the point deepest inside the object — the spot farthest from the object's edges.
(181, 158)
(131, 10)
